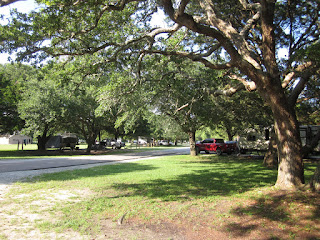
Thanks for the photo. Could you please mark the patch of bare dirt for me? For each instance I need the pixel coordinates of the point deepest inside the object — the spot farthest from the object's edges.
(272, 215)
(276, 215)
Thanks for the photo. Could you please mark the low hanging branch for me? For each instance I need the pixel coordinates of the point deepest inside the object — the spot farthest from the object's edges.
(193, 57)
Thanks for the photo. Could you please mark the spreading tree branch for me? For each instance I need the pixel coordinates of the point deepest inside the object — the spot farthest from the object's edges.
(249, 24)
(303, 72)
(249, 6)
(193, 57)
(249, 85)
(227, 92)
(7, 2)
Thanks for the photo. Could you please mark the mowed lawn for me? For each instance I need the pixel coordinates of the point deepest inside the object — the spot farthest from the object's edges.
(180, 197)
(13, 147)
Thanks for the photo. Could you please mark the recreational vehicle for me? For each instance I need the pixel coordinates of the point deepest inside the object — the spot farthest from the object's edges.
(62, 142)
(257, 139)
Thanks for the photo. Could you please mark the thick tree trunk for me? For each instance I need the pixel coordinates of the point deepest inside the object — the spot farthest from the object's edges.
(230, 136)
(290, 168)
(192, 141)
(42, 140)
(89, 147)
(91, 139)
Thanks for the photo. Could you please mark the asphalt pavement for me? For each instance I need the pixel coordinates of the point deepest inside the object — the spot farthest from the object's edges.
(12, 170)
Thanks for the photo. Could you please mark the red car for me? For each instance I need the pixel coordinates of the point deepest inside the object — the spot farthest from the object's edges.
(212, 145)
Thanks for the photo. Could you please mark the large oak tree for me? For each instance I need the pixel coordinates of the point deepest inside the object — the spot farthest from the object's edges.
(239, 34)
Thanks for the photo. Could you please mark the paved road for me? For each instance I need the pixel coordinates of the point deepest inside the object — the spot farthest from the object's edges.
(13, 165)
(18, 169)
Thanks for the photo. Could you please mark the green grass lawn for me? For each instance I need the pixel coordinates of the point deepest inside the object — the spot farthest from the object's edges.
(175, 188)
(14, 147)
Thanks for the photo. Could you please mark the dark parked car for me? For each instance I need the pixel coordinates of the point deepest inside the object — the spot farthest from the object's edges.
(232, 147)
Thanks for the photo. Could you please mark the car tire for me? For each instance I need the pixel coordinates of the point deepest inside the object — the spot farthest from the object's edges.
(237, 151)
(197, 150)
(219, 152)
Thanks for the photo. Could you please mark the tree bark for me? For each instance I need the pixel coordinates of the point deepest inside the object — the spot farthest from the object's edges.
(290, 168)
(90, 143)
(42, 140)
(7, 2)
(230, 136)
(192, 141)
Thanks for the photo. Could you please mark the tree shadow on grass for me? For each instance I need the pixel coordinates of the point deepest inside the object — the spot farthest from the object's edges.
(212, 176)
(282, 214)
(225, 177)
(93, 172)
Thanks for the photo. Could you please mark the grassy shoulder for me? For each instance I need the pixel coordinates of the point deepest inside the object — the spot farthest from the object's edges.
(200, 195)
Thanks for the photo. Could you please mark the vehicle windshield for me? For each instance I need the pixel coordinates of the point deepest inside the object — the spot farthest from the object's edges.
(219, 141)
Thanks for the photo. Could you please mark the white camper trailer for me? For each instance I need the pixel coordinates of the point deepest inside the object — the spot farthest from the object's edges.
(254, 139)
(257, 139)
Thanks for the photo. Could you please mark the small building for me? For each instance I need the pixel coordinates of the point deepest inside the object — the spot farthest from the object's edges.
(15, 139)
